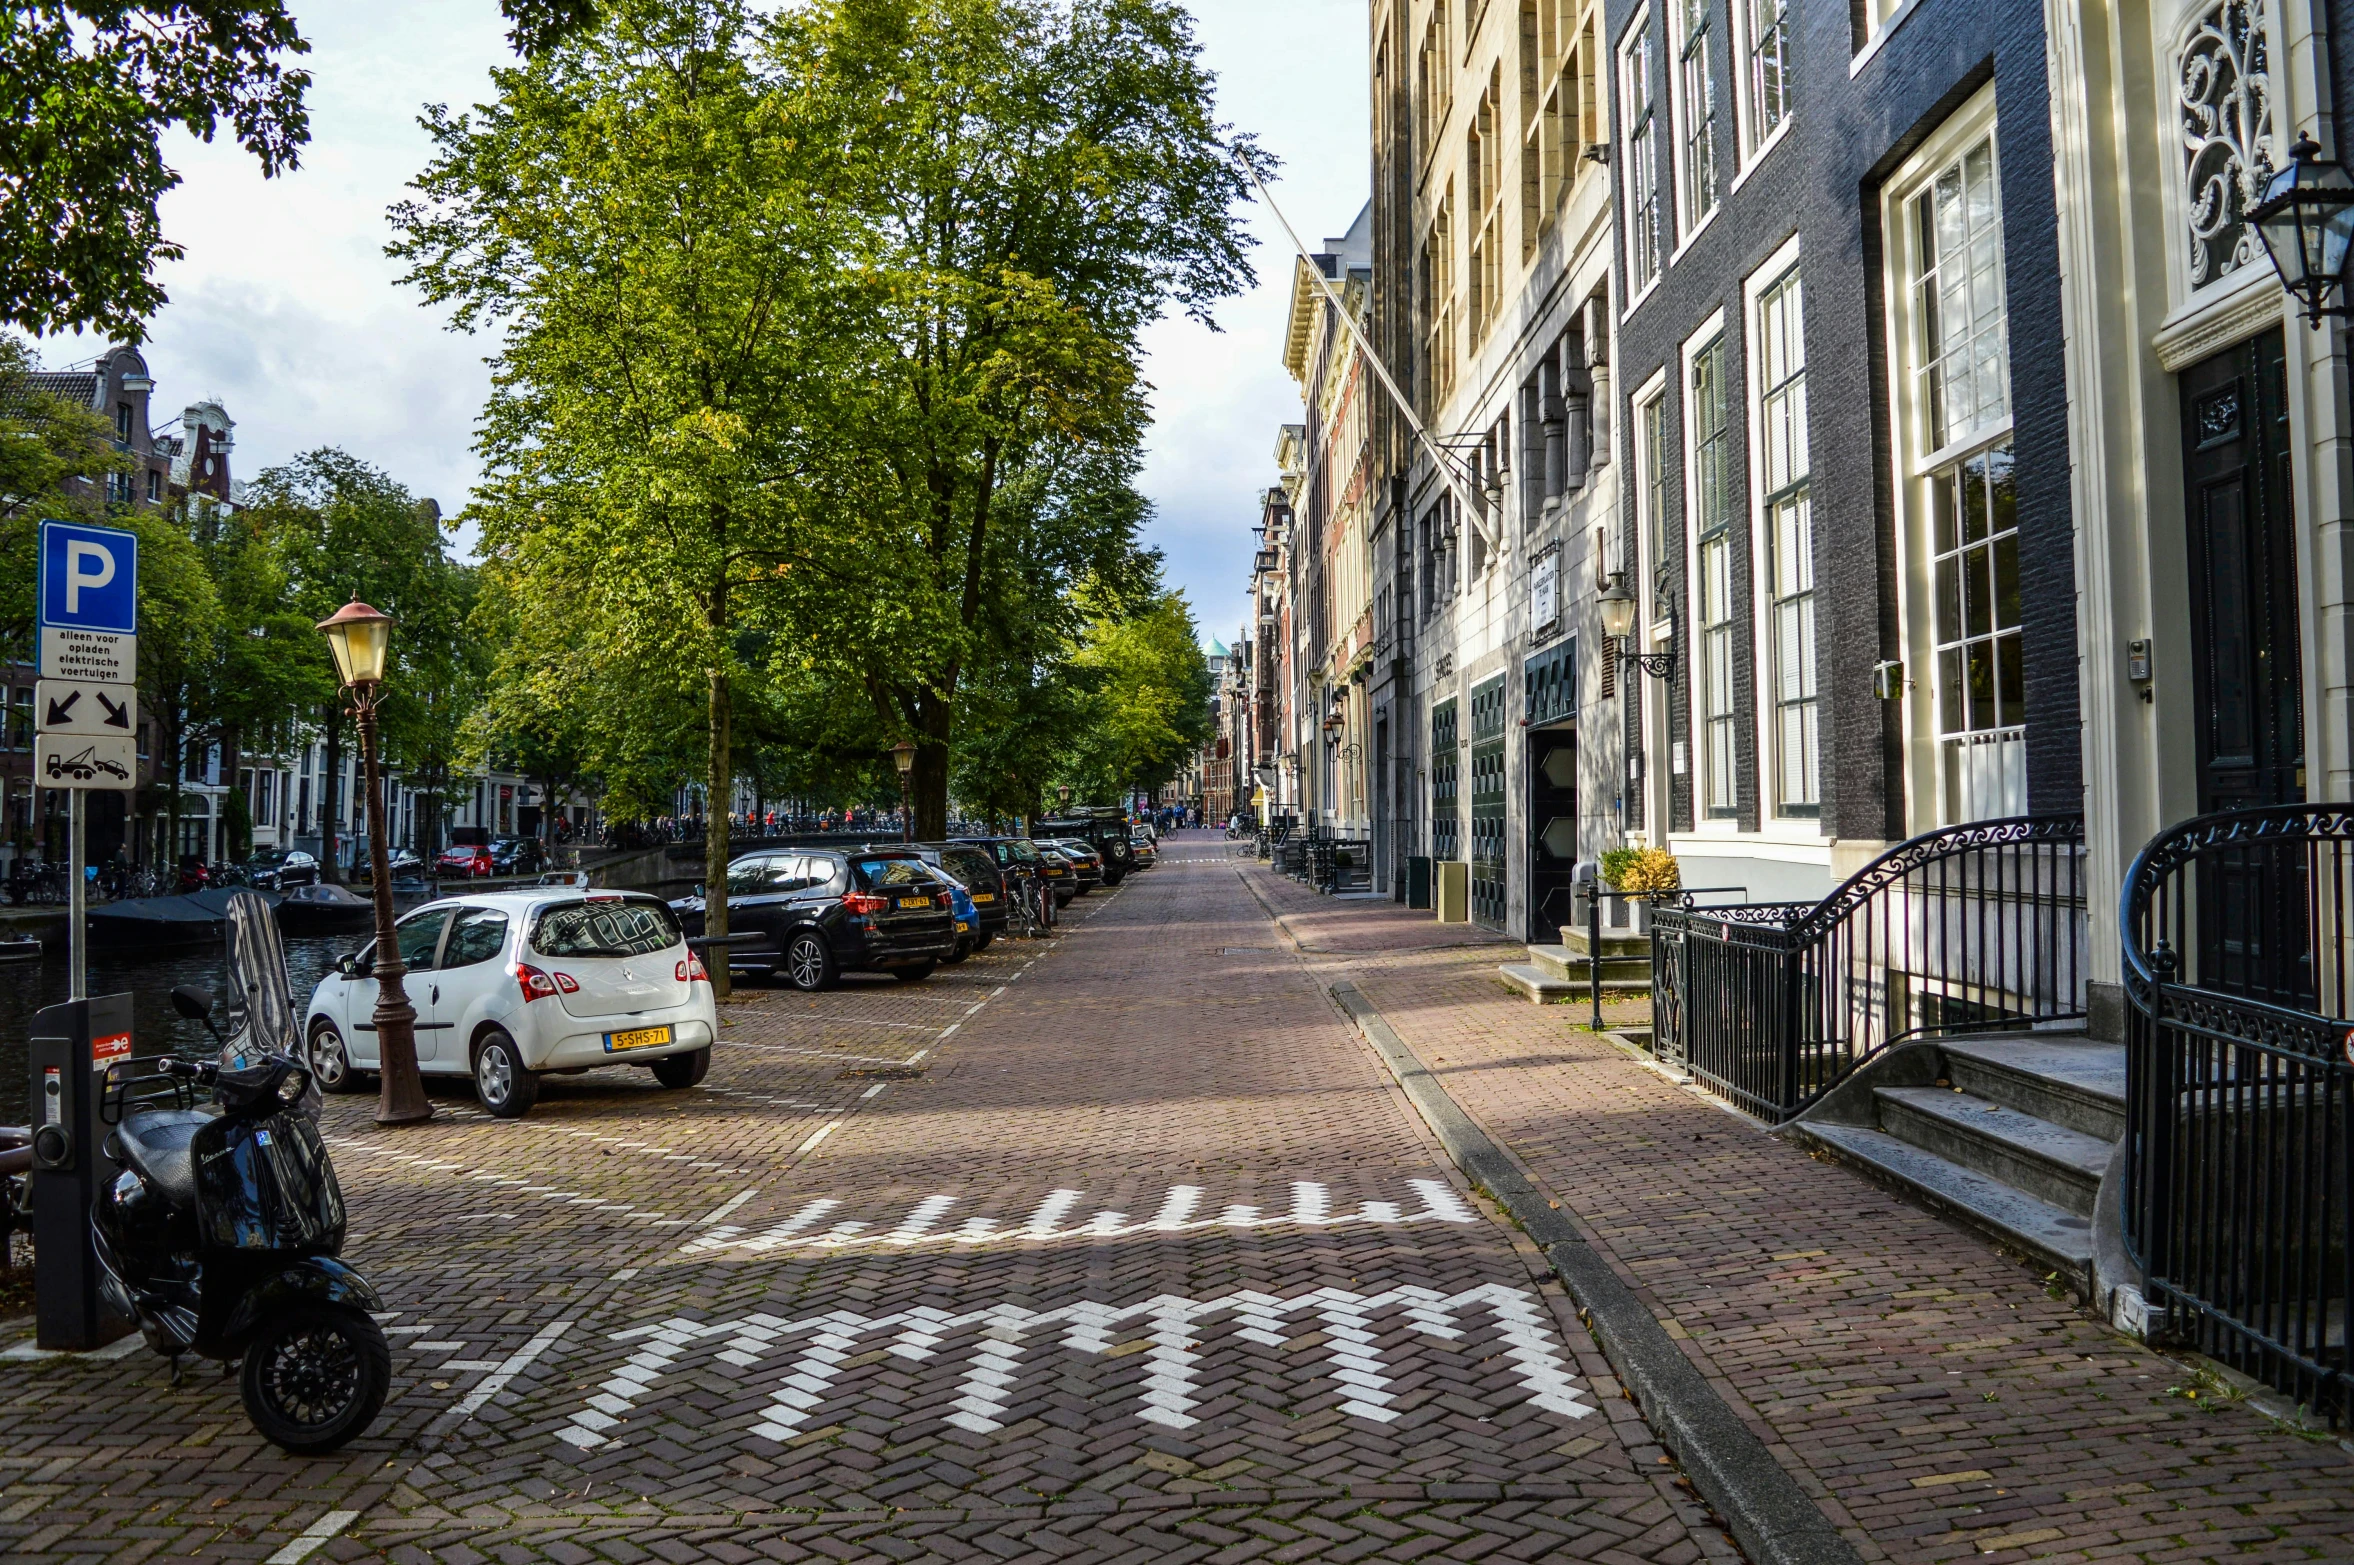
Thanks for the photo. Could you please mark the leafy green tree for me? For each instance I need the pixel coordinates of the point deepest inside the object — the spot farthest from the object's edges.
(1148, 705)
(634, 216)
(87, 88)
(342, 529)
(1033, 185)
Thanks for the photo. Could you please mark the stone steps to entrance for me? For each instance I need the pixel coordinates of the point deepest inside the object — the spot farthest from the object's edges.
(2009, 1133)
(1562, 962)
(1547, 987)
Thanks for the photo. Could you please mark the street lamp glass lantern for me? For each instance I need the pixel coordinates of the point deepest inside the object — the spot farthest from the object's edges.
(903, 757)
(359, 638)
(2306, 218)
(1618, 608)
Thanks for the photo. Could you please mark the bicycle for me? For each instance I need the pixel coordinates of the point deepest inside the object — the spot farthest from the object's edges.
(1022, 914)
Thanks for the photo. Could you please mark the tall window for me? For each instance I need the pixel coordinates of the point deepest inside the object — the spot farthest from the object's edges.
(1962, 358)
(1769, 67)
(1437, 280)
(1642, 159)
(1651, 451)
(1556, 110)
(1965, 527)
(1483, 178)
(1790, 547)
(1696, 112)
(1712, 515)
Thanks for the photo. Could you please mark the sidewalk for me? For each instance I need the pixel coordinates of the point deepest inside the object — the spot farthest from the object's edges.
(1931, 1393)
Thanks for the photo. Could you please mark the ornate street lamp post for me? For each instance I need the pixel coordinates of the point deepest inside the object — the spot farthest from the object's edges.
(359, 637)
(903, 757)
(1618, 623)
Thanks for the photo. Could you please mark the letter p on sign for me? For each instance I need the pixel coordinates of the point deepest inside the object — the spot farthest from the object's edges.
(89, 578)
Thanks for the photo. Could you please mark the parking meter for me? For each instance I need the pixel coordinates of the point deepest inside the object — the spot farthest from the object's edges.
(70, 1047)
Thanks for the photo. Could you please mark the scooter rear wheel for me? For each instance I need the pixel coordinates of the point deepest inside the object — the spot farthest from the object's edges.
(316, 1377)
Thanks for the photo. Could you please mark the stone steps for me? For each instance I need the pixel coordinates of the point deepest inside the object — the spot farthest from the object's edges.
(2009, 1133)
(1546, 987)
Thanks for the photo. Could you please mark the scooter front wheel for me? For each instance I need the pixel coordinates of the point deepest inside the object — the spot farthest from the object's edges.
(315, 1377)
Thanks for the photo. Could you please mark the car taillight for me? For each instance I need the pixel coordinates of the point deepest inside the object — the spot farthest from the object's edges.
(535, 984)
(567, 983)
(691, 970)
(864, 902)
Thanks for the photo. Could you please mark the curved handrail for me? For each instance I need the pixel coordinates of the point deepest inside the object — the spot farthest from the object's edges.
(2183, 843)
(1908, 856)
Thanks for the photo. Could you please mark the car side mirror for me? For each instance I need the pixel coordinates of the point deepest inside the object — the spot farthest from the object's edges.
(699, 888)
(195, 1004)
(348, 966)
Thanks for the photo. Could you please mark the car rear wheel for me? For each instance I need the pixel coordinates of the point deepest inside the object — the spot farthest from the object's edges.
(914, 975)
(330, 1062)
(505, 1087)
(981, 940)
(809, 962)
(683, 1070)
(964, 948)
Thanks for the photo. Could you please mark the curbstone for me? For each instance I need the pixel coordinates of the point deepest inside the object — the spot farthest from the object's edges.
(1771, 1517)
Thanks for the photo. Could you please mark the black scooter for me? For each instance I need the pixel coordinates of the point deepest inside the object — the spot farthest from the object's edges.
(220, 1236)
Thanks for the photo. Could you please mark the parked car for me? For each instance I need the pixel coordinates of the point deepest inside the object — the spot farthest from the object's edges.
(404, 864)
(1062, 877)
(1086, 863)
(281, 869)
(1015, 858)
(1102, 827)
(1146, 850)
(517, 855)
(974, 868)
(467, 856)
(818, 913)
(511, 984)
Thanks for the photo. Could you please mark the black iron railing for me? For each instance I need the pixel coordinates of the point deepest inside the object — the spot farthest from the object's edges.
(1968, 928)
(2239, 1204)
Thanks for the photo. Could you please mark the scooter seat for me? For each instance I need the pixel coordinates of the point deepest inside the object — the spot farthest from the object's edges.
(156, 1144)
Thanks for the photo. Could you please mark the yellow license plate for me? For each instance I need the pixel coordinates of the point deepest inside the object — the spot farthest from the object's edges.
(907, 902)
(984, 896)
(636, 1038)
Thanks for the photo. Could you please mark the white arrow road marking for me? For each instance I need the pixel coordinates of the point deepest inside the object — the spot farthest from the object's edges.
(1168, 1391)
(1311, 1207)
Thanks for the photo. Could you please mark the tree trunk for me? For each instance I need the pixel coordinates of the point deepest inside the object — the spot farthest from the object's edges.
(330, 791)
(928, 782)
(720, 785)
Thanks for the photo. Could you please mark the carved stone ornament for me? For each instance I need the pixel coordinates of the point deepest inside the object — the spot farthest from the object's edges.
(2224, 91)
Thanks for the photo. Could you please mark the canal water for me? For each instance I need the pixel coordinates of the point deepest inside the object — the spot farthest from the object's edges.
(25, 987)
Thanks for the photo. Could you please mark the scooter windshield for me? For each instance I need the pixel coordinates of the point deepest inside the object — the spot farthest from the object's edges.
(260, 994)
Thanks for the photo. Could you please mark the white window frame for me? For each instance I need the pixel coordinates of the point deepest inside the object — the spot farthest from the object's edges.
(1690, 654)
(1753, 146)
(1926, 805)
(1688, 228)
(1658, 782)
(1771, 821)
(1638, 38)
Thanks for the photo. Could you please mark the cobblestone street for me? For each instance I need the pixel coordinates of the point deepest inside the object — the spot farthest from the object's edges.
(1117, 1245)
(1126, 1245)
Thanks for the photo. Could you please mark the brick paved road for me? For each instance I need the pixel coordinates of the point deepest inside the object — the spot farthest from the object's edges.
(1937, 1400)
(1147, 1260)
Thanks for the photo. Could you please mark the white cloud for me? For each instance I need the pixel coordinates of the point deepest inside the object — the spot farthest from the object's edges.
(288, 310)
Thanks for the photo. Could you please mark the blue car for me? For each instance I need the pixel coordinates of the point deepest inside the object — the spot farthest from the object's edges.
(968, 918)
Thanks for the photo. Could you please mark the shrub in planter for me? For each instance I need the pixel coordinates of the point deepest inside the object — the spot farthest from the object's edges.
(1640, 871)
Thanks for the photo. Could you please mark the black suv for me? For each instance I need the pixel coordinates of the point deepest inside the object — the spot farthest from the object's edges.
(820, 913)
(1103, 828)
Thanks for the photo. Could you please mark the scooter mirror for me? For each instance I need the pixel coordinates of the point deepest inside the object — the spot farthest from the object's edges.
(195, 1004)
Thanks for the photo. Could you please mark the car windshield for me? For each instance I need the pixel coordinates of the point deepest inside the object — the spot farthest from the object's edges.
(604, 928)
(1023, 850)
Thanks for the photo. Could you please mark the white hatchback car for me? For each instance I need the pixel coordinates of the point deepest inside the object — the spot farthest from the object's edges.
(511, 984)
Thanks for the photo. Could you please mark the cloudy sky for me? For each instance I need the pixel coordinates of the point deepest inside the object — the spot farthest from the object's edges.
(286, 308)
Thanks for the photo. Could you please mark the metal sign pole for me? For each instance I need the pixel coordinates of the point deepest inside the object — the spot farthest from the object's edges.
(77, 930)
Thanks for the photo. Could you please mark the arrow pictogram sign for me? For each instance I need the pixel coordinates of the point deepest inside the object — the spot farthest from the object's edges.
(98, 711)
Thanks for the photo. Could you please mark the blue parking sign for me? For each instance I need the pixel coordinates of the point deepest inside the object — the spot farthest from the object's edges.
(89, 577)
